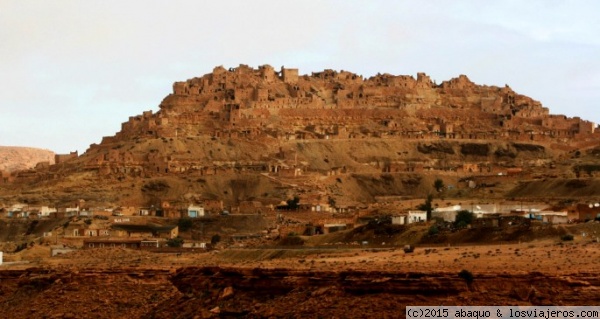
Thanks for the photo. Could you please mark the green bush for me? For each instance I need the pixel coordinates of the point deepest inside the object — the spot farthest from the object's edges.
(463, 218)
(185, 224)
(215, 239)
(293, 203)
(175, 242)
(466, 275)
(438, 184)
(567, 237)
(433, 230)
(292, 241)
(427, 206)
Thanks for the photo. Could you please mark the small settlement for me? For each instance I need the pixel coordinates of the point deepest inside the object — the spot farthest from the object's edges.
(154, 228)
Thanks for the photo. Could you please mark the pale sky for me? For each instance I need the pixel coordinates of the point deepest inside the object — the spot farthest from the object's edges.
(72, 71)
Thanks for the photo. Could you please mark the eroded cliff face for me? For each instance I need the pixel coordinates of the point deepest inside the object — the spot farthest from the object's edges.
(215, 292)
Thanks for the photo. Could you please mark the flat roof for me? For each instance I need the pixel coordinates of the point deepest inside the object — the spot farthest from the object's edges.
(112, 241)
(143, 228)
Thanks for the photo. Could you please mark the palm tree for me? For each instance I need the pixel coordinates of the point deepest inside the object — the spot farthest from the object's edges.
(438, 184)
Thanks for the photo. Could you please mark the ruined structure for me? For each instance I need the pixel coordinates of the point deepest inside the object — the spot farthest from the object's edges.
(257, 104)
(285, 125)
(61, 158)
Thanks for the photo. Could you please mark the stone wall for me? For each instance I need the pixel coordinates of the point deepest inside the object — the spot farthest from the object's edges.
(61, 158)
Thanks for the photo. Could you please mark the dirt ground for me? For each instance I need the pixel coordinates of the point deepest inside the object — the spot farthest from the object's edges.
(305, 282)
(545, 256)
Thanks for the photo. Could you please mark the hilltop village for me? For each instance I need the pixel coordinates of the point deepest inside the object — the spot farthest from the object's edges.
(333, 145)
(280, 106)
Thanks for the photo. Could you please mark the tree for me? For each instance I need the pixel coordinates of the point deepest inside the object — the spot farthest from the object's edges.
(331, 201)
(464, 218)
(566, 237)
(467, 276)
(175, 242)
(427, 206)
(215, 239)
(185, 224)
(293, 203)
(438, 184)
(433, 230)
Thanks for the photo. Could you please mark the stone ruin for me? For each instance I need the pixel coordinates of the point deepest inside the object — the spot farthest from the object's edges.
(271, 106)
(243, 102)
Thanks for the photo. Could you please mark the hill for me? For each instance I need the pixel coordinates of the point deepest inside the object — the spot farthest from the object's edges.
(14, 158)
(244, 134)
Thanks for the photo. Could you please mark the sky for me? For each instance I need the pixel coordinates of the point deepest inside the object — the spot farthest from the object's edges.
(72, 71)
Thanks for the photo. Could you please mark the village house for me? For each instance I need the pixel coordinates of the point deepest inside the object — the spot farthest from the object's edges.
(102, 243)
(145, 231)
(400, 220)
(326, 226)
(21, 214)
(168, 211)
(251, 207)
(333, 227)
(125, 211)
(554, 218)
(59, 250)
(201, 245)
(320, 207)
(415, 216)
(584, 212)
(212, 205)
(78, 229)
(486, 222)
(149, 244)
(43, 211)
(14, 210)
(194, 211)
(101, 212)
(483, 210)
(448, 214)
(289, 172)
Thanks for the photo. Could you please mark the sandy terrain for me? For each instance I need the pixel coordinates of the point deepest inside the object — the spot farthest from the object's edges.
(546, 256)
(295, 283)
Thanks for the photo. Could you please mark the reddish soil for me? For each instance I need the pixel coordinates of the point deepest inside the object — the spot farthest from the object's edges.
(297, 283)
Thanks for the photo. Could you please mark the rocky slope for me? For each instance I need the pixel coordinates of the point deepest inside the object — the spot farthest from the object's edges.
(14, 159)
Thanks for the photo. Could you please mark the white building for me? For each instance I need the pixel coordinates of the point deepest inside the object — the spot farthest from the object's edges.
(415, 216)
(483, 210)
(45, 211)
(400, 220)
(195, 211)
(448, 214)
(552, 217)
